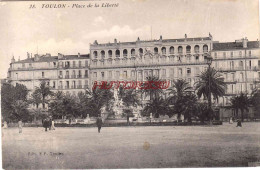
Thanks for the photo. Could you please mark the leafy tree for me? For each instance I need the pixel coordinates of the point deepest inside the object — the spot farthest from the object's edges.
(43, 91)
(210, 83)
(14, 102)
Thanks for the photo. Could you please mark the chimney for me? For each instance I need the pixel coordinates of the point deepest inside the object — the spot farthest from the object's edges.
(60, 56)
(95, 42)
(31, 55)
(138, 39)
(210, 36)
(244, 41)
(12, 60)
(28, 55)
(160, 37)
(36, 57)
(185, 36)
(19, 58)
(78, 55)
(115, 40)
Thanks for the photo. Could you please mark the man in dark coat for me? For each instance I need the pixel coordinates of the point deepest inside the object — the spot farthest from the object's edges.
(45, 124)
(99, 123)
(239, 123)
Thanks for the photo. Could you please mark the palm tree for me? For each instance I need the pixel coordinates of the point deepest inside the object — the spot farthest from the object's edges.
(44, 91)
(153, 90)
(242, 103)
(210, 83)
(158, 106)
(179, 89)
(255, 101)
(35, 99)
(97, 99)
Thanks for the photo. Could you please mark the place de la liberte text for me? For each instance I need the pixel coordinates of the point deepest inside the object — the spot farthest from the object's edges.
(89, 5)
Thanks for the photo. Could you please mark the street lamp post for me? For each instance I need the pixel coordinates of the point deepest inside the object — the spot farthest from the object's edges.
(209, 61)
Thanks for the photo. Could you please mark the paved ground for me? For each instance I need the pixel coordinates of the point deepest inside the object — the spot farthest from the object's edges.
(132, 147)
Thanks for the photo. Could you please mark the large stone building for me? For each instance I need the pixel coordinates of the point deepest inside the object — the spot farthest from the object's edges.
(67, 73)
(184, 58)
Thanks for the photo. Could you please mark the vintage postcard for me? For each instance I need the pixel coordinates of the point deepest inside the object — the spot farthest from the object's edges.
(120, 84)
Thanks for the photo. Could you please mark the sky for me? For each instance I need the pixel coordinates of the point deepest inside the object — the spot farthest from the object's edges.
(69, 31)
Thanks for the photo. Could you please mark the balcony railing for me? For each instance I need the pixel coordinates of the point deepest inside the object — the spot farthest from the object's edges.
(73, 76)
(79, 76)
(85, 76)
(67, 76)
(79, 86)
(73, 87)
(60, 87)
(67, 87)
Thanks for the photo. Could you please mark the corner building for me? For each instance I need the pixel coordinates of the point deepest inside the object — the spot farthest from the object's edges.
(66, 73)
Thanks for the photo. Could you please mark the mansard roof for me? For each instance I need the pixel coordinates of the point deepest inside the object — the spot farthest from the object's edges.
(54, 58)
(234, 45)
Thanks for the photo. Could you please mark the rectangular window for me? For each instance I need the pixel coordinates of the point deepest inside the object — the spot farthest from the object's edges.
(180, 72)
(42, 74)
(224, 54)
(125, 74)
(86, 73)
(102, 75)
(216, 55)
(249, 53)
(79, 63)
(188, 71)
(54, 84)
(164, 73)
(95, 74)
(110, 74)
(86, 63)
(117, 74)
(132, 73)
(231, 54)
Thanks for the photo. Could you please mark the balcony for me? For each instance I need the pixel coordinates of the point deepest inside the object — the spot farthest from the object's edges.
(79, 86)
(85, 76)
(67, 76)
(73, 76)
(85, 86)
(117, 55)
(60, 76)
(67, 87)
(188, 51)
(60, 87)
(73, 87)
(124, 55)
(197, 51)
(79, 76)
(205, 51)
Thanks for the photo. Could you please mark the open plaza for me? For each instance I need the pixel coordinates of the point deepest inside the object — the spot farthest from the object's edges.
(132, 147)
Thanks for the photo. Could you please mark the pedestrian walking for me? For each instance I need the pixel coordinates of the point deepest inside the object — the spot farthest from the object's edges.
(20, 126)
(239, 123)
(52, 125)
(49, 123)
(45, 124)
(99, 123)
(5, 125)
(231, 120)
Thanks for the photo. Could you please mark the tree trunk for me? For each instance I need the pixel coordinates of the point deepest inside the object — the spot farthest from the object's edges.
(242, 115)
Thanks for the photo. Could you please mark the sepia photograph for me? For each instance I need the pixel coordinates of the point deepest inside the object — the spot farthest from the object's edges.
(129, 84)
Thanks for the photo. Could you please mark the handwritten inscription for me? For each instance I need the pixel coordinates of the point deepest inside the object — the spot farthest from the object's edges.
(74, 6)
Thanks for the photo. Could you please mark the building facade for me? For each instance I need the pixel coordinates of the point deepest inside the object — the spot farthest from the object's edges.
(67, 73)
(172, 59)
